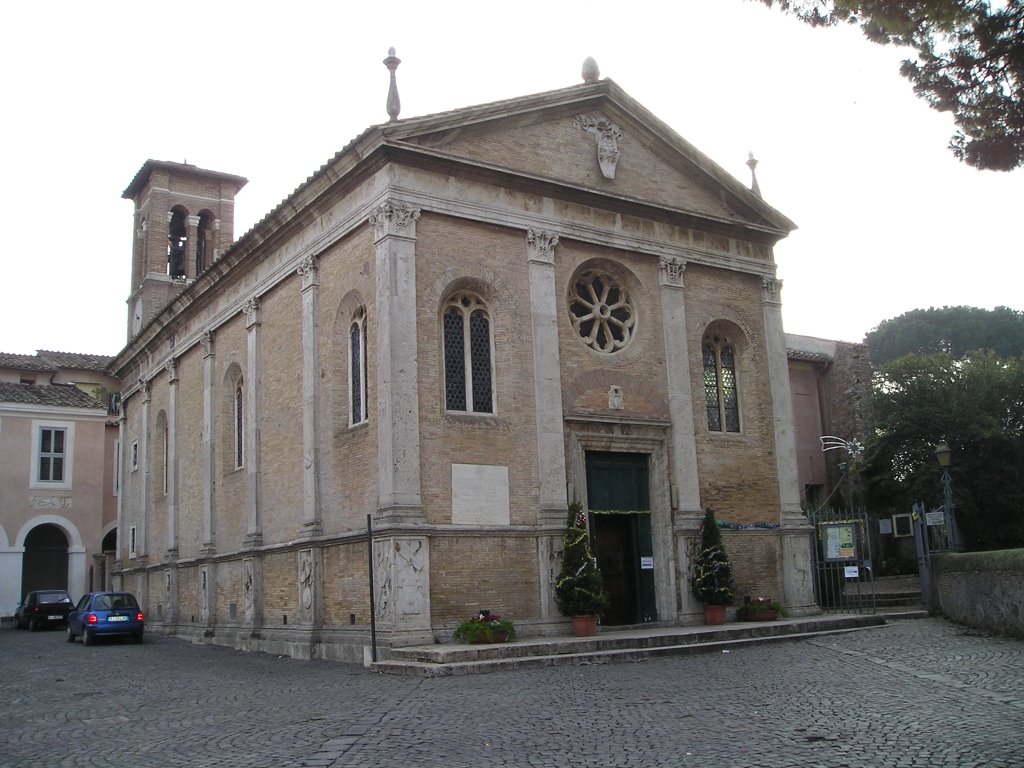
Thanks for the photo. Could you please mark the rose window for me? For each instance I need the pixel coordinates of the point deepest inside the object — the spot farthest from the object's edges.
(601, 311)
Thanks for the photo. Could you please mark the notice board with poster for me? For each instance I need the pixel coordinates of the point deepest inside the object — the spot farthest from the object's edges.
(840, 540)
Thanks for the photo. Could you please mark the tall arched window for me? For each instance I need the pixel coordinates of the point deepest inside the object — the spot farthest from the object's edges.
(720, 384)
(468, 373)
(163, 458)
(357, 385)
(239, 426)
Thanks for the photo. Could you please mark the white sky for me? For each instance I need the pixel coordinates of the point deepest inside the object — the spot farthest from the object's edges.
(888, 220)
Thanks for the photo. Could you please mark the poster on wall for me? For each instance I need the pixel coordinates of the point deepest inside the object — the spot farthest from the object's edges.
(840, 541)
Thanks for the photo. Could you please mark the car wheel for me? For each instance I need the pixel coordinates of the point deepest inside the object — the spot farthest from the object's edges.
(71, 635)
(32, 626)
(87, 638)
(137, 638)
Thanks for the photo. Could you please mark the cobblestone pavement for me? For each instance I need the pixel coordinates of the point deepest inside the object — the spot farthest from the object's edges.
(915, 693)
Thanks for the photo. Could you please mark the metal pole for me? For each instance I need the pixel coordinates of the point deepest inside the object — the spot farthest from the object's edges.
(924, 565)
(373, 608)
(947, 498)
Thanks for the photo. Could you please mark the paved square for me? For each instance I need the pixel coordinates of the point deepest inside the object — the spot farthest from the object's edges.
(915, 693)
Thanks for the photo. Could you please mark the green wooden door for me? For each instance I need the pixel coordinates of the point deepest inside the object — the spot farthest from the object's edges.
(618, 498)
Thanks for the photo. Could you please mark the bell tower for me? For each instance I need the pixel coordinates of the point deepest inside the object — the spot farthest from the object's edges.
(184, 221)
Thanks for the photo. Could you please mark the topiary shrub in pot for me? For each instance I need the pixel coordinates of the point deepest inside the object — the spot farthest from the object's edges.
(579, 590)
(711, 574)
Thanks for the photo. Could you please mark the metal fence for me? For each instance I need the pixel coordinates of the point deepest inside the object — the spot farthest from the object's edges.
(843, 570)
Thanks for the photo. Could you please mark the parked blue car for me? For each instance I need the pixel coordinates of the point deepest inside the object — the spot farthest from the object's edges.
(106, 614)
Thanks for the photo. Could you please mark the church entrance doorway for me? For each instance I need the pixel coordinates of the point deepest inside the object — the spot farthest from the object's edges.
(618, 497)
(45, 562)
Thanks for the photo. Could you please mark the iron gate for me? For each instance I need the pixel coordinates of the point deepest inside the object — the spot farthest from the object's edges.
(932, 534)
(843, 573)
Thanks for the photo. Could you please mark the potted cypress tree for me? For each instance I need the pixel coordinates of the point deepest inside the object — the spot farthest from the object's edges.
(579, 590)
(711, 576)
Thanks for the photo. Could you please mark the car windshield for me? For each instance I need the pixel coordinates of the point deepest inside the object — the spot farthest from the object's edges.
(54, 597)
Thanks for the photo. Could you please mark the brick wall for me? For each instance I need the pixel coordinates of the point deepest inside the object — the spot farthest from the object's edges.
(281, 427)
(346, 585)
(470, 573)
(491, 261)
(349, 453)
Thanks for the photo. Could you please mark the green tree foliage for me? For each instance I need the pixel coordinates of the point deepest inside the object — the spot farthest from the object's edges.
(975, 404)
(955, 330)
(970, 62)
(579, 590)
(711, 578)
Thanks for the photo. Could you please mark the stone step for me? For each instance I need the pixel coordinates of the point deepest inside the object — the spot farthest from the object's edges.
(446, 660)
(883, 599)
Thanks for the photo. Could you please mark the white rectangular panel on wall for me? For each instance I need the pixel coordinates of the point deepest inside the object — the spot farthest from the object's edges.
(479, 494)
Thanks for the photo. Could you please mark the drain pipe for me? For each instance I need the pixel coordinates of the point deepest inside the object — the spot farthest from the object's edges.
(369, 570)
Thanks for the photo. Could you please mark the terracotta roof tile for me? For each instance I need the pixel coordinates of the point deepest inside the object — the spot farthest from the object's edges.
(23, 362)
(77, 360)
(62, 395)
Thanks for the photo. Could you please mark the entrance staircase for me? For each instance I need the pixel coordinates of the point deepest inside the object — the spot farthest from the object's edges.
(612, 645)
(891, 593)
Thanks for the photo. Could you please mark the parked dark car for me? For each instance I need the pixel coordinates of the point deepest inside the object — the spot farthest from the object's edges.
(106, 614)
(43, 608)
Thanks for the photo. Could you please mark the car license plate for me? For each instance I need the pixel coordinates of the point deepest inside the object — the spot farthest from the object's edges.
(54, 617)
(117, 618)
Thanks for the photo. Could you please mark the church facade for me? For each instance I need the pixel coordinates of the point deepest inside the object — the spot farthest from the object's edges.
(388, 392)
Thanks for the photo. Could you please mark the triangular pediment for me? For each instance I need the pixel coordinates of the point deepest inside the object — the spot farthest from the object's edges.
(596, 138)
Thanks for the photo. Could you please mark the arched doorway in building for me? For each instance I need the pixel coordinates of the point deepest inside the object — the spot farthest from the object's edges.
(45, 562)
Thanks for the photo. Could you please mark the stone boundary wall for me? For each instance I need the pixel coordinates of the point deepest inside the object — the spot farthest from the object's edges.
(982, 589)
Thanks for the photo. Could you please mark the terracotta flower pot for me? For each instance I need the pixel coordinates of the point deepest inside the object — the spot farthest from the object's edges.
(584, 626)
(714, 614)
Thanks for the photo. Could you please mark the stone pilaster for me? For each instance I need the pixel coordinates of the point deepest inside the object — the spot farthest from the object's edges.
(172, 461)
(683, 468)
(141, 544)
(193, 243)
(308, 271)
(547, 395)
(796, 533)
(170, 597)
(310, 581)
(252, 594)
(254, 528)
(398, 441)
(782, 403)
(122, 529)
(209, 420)
(401, 566)
(208, 596)
(547, 381)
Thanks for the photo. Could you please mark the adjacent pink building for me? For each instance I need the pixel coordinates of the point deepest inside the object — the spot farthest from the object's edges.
(58, 488)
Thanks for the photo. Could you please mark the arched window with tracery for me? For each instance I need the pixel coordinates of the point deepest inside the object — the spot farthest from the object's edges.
(357, 384)
(720, 384)
(468, 369)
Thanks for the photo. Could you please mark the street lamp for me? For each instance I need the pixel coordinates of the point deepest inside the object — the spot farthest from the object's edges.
(944, 456)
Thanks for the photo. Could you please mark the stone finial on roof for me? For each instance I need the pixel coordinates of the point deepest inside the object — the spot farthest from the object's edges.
(752, 164)
(591, 72)
(394, 104)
